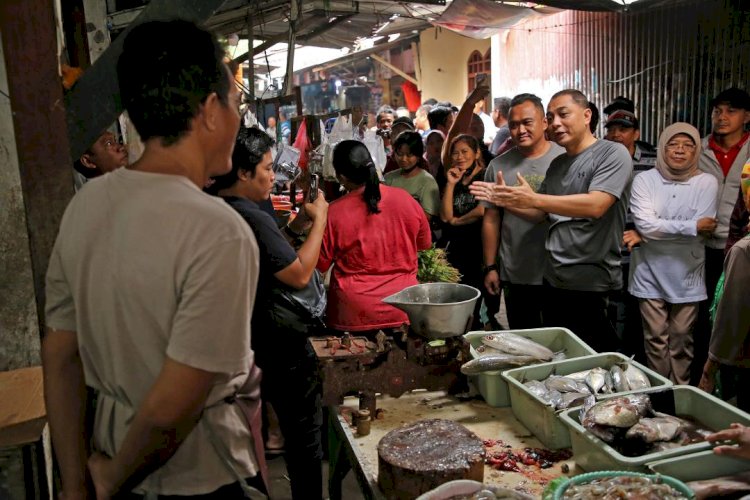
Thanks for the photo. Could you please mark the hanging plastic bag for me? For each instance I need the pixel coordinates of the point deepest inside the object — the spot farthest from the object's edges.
(303, 144)
(376, 148)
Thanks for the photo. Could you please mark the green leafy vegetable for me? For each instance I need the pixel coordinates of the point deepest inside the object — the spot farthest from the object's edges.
(435, 268)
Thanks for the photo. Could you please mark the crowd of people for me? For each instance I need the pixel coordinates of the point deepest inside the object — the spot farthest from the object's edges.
(172, 285)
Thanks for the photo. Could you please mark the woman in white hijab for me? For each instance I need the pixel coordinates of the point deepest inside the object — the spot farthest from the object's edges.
(674, 207)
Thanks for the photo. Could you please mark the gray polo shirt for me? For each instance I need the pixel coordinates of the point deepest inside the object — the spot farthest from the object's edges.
(584, 253)
(521, 253)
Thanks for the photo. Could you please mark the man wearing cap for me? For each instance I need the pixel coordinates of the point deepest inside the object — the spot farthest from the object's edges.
(623, 127)
(723, 154)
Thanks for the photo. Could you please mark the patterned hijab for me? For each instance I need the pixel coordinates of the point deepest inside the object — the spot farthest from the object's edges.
(688, 171)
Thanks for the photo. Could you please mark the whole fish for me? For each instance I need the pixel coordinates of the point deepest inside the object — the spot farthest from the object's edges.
(553, 398)
(493, 362)
(579, 376)
(618, 379)
(636, 378)
(570, 399)
(624, 411)
(537, 388)
(595, 379)
(655, 429)
(485, 350)
(609, 386)
(515, 344)
(561, 384)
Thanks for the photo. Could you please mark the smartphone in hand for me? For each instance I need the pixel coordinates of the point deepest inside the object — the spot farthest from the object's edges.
(312, 195)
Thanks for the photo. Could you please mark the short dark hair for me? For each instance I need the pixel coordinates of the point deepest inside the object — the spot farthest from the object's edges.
(735, 97)
(438, 116)
(429, 102)
(166, 70)
(411, 140)
(522, 98)
(576, 95)
(620, 102)
(352, 159)
(503, 105)
(249, 148)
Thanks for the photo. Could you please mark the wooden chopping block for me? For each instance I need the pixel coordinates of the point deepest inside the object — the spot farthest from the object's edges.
(22, 412)
(420, 456)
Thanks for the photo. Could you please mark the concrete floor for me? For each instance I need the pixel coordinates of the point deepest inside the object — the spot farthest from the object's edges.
(280, 489)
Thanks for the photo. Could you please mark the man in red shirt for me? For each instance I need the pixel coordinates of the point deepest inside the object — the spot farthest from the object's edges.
(723, 154)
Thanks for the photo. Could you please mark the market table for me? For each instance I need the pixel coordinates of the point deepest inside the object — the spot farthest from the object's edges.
(348, 450)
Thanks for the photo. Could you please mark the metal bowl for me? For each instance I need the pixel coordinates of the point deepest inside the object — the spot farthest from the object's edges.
(437, 310)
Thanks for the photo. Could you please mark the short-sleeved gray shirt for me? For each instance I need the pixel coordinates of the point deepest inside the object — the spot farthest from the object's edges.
(584, 253)
(521, 253)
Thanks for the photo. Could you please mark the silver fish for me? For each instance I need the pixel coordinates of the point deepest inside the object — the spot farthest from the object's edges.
(608, 384)
(553, 398)
(494, 362)
(580, 376)
(572, 399)
(655, 429)
(618, 379)
(537, 388)
(561, 384)
(515, 344)
(636, 378)
(485, 350)
(624, 411)
(595, 379)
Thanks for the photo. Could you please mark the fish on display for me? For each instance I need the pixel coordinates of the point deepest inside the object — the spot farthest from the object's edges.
(650, 430)
(518, 345)
(623, 411)
(635, 378)
(618, 379)
(579, 376)
(493, 362)
(485, 350)
(595, 379)
(562, 384)
(572, 399)
(537, 388)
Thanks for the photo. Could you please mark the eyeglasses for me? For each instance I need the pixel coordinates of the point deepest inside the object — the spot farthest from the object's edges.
(685, 146)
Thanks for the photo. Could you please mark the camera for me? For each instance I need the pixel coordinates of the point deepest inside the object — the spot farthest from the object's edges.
(385, 133)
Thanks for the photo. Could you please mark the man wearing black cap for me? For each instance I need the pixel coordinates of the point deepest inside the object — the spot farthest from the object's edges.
(723, 154)
(623, 127)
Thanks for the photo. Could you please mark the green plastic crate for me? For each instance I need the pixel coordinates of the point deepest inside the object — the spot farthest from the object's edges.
(592, 454)
(700, 466)
(540, 418)
(491, 385)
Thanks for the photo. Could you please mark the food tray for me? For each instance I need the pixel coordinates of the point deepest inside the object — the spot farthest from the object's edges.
(700, 466)
(540, 418)
(491, 385)
(558, 493)
(592, 454)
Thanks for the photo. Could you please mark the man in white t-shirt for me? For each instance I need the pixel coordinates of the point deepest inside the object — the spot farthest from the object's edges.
(150, 287)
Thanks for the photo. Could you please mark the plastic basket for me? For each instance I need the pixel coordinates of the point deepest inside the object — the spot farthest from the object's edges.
(540, 418)
(559, 491)
(491, 385)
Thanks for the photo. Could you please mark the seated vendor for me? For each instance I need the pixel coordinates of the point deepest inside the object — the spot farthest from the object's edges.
(371, 239)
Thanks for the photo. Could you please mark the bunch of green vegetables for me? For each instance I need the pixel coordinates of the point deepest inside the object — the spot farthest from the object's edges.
(434, 267)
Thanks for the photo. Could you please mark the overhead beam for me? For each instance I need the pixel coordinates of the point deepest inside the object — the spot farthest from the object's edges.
(359, 54)
(316, 32)
(393, 68)
(94, 102)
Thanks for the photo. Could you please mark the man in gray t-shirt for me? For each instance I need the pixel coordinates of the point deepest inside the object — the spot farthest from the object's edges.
(517, 243)
(583, 196)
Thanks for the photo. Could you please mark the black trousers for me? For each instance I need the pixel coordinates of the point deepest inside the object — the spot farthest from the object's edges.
(523, 304)
(584, 313)
(735, 382)
(702, 332)
(292, 387)
(626, 316)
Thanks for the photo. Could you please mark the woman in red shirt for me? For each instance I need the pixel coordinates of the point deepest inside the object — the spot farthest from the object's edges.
(372, 237)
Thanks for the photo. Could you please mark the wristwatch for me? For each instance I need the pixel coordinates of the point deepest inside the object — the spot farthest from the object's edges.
(487, 269)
